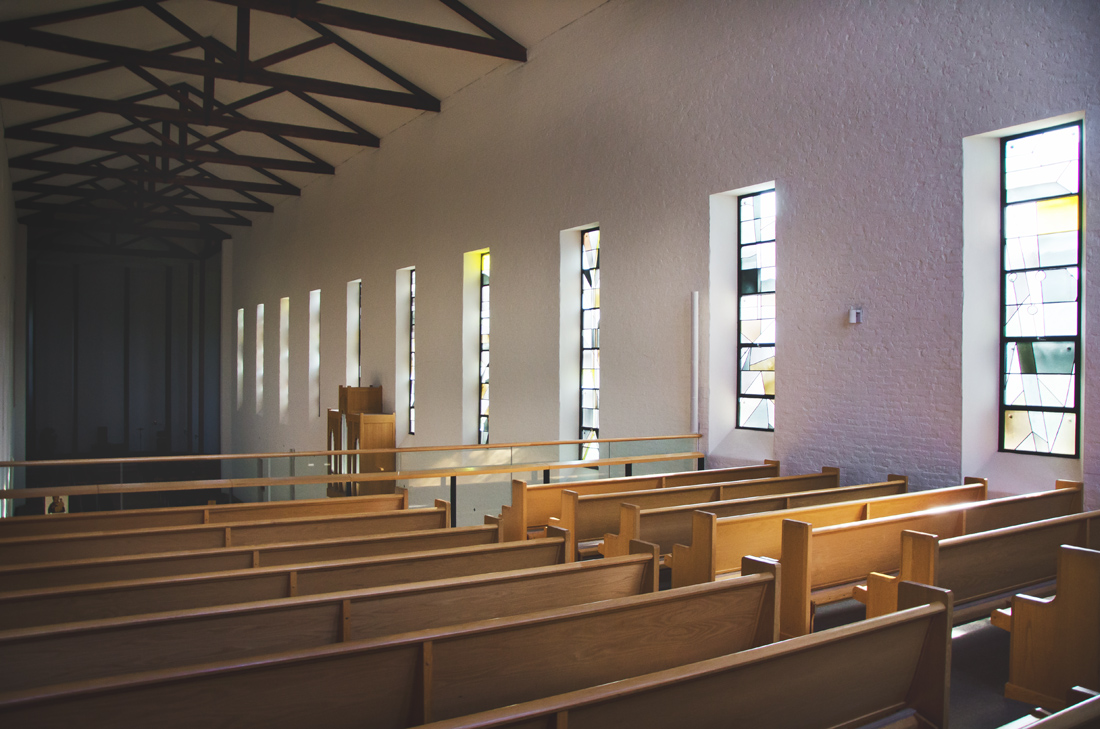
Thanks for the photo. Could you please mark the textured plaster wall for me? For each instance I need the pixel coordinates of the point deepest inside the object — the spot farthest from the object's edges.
(634, 116)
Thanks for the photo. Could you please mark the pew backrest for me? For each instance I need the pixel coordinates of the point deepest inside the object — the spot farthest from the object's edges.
(983, 567)
(98, 648)
(29, 608)
(146, 566)
(672, 525)
(718, 545)
(533, 504)
(590, 516)
(433, 674)
(55, 548)
(888, 672)
(105, 521)
(834, 557)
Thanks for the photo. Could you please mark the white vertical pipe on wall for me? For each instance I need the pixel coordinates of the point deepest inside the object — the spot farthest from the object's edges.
(694, 361)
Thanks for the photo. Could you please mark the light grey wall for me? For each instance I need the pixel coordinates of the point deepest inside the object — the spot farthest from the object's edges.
(634, 116)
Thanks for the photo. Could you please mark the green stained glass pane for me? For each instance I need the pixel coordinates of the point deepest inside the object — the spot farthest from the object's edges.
(756, 413)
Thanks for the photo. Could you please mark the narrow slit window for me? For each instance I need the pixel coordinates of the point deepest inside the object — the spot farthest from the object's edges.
(483, 355)
(240, 358)
(315, 352)
(1041, 291)
(590, 343)
(353, 369)
(412, 351)
(756, 311)
(284, 359)
(259, 358)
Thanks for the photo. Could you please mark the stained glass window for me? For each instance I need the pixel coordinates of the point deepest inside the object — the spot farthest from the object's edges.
(483, 355)
(590, 343)
(1041, 291)
(412, 351)
(756, 312)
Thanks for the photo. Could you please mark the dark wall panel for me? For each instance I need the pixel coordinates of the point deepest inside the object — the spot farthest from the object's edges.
(124, 355)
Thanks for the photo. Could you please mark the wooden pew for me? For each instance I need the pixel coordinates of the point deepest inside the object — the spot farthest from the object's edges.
(108, 521)
(432, 674)
(1055, 642)
(170, 564)
(98, 648)
(983, 570)
(533, 505)
(889, 673)
(29, 608)
(591, 516)
(56, 548)
(671, 525)
(717, 545)
(824, 564)
(1083, 712)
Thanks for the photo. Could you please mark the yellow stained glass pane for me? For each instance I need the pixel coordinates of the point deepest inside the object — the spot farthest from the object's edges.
(764, 365)
(769, 383)
(485, 264)
(1056, 216)
(1017, 428)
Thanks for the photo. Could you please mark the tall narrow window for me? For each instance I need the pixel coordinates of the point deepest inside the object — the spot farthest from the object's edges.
(590, 342)
(315, 352)
(353, 374)
(240, 358)
(1041, 291)
(284, 359)
(756, 311)
(259, 358)
(483, 356)
(412, 351)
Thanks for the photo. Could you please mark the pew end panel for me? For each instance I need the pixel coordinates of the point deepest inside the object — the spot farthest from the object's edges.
(919, 557)
(768, 622)
(1055, 642)
(513, 518)
(569, 546)
(630, 527)
(795, 608)
(694, 564)
(446, 506)
(495, 521)
(653, 570)
(931, 688)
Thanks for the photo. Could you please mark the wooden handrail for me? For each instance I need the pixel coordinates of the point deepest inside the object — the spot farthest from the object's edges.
(362, 451)
(233, 483)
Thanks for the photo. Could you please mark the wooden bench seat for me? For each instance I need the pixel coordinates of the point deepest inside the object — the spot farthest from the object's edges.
(170, 564)
(433, 674)
(890, 672)
(28, 608)
(589, 517)
(824, 564)
(671, 525)
(94, 649)
(61, 547)
(717, 545)
(1055, 643)
(107, 521)
(536, 503)
(983, 570)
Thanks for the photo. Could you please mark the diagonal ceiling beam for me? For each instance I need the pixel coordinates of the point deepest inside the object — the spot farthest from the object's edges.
(209, 69)
(136, 175)
(182, 153)
(130, 195)
(499, 47)
(179, 116)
